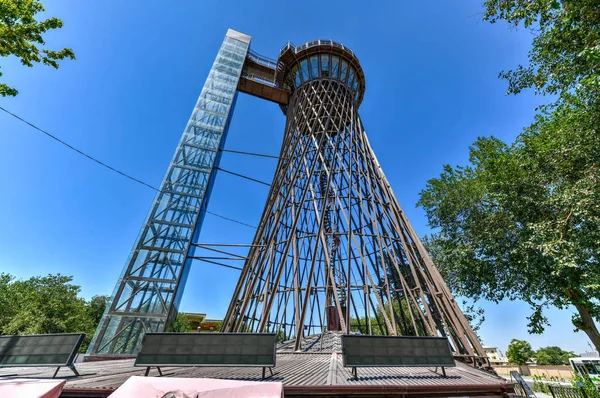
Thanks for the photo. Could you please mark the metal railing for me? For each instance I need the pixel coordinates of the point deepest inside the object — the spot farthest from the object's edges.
(522, 389)
(261, 59)
(558, 391)
(259, 79)
(318, 42)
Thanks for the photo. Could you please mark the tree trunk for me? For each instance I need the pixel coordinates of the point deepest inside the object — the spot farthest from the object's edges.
(589, 327)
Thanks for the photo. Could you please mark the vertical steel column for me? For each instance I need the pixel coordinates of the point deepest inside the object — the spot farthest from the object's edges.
(149, 290)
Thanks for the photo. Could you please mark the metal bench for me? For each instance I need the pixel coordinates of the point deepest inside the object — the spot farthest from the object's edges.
(381, 351)
(207, 349)
(41, 350)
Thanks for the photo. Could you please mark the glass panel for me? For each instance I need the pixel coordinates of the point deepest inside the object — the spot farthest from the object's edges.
(304, 68)
(335, 66)
(350, 81)
(344, 73)
(296, 74)
(314, 66)
(324, 65)
(189, 180)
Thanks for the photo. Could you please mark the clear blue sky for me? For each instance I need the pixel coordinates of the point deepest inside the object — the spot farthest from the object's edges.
(432, 88)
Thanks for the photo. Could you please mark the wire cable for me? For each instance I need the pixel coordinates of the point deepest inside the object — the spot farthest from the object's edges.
(231, 219)
(243, 176)
(251, 153)
(110, 167)
(217, 263)
(80, 152)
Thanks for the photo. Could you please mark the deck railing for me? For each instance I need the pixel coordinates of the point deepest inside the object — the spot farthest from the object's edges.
(318, 42)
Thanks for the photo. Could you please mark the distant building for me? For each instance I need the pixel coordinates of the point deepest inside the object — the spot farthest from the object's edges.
(201, 324)
(495, 356)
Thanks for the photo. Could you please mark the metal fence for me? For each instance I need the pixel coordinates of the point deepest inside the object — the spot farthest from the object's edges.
(523, 390)
(567, 392)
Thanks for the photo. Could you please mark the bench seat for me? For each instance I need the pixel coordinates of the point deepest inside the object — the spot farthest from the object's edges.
(381, 351)
(39, 350)
(207, 349)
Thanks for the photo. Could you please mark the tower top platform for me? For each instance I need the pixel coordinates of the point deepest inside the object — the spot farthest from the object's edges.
(320, 59)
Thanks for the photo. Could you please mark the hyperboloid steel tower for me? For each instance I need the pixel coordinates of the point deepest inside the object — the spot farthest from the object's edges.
(333, 251)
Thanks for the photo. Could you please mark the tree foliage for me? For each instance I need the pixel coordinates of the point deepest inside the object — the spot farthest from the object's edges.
(21, 35)
(181, 324)
(47, 304)
(522, 220)
(519, 352)
(553, 355)
(565, 51)
(95, 309)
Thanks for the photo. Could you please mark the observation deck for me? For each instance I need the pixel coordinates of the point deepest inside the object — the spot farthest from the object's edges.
(320, 59)
(275, 81)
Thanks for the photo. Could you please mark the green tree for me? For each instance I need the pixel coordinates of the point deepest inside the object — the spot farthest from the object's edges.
(95, 309)
(586, 386)
(281, 336)
(519, 352)
(7, 308)
(565, 51)
(522, 221)
(21, 35)
(361, 326)
(181, 324)
(47, 304)
(378, 326)
(553, 355)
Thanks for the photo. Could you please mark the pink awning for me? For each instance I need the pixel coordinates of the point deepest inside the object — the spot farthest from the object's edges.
(31, 388)
(156, 387)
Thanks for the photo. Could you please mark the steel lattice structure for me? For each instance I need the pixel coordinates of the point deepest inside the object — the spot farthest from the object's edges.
(333, 251)
(150, 287)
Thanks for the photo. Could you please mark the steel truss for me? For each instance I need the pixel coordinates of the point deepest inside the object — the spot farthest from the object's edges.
(149, 290)
(334, 250)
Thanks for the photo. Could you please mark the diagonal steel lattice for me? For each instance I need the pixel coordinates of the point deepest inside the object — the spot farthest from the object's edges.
(334, 250)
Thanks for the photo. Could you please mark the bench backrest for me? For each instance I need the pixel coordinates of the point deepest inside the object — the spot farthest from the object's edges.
(40, 349)
(206, 349)
(359, 350)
